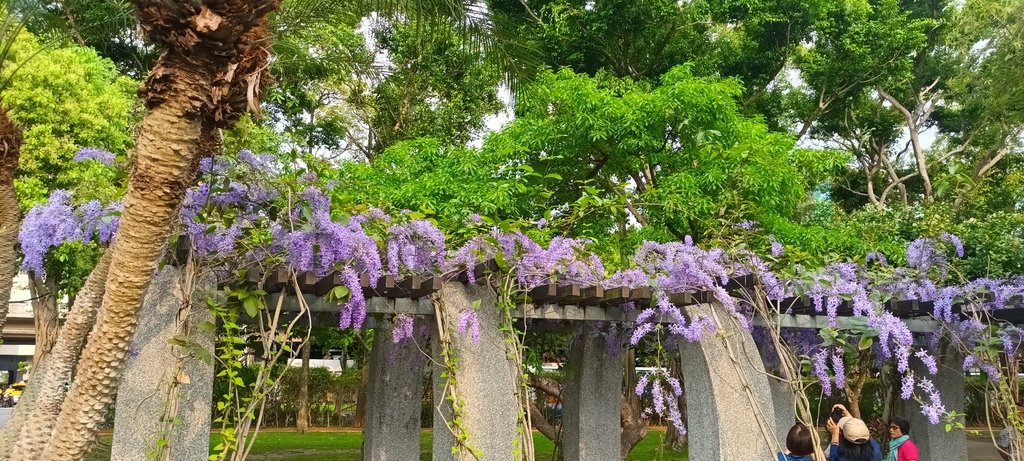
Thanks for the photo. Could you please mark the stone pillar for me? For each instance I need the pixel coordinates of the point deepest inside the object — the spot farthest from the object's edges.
(591, 399)
(932, 439)
(485, 379)
(394, 395)
(723, 423)
(784, 403)
(163, 396)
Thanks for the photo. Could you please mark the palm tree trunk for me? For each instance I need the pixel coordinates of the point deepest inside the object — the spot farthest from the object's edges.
(211, 48)
(163, 169)
(302, 420)
(38, 408)
(10, 151)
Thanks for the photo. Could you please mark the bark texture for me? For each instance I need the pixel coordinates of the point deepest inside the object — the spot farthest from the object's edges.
(302, 419)
(37, 411)
(44, 314)
(634, 422)
(10, 151)
(211, 71)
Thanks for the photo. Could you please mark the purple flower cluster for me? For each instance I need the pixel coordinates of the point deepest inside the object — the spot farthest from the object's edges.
(665, 393)
(932, 408)
(958, 245)
(469, 321)
(565, 259)
(402, 328)
(839, 367)
(415, 246)
(876, 256)
(99, 155)
(57, 221)
(100, 221)
(819, 364)
(777, 248)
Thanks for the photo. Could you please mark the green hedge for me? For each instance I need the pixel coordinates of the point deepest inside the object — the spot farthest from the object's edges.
(332, 397)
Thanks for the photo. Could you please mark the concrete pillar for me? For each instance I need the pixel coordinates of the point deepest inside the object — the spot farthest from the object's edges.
(784, 403)
(723, 420)
(485, 379)
(394, 394)
(932, 439)
(166, 390)
(590, 398)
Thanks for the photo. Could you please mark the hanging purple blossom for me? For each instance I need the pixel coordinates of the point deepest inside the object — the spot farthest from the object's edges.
(933, 408)
(928, 360)
(958, 245)
(402, 328)
(469, 321)
(907, 386)
(416, 246)
(839, 367)
(665, 393)
(746, 225)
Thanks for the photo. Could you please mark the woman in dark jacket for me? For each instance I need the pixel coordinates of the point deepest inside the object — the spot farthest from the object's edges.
(851, 440)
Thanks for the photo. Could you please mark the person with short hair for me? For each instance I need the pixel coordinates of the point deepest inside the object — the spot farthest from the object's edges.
(851, 439)
(799, 444)
(901, 448)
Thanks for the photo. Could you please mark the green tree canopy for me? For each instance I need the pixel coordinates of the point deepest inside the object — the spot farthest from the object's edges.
(65, 99)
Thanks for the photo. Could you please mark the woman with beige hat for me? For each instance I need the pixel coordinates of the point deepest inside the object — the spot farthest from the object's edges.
(851, 440)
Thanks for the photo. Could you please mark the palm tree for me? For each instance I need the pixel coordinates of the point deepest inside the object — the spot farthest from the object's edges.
(32, 423)
(211, 70)
(10, 152)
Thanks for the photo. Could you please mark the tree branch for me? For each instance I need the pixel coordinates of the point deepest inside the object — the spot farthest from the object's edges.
(912, 127)
(547, 385)
(983, 168)
(541, 423)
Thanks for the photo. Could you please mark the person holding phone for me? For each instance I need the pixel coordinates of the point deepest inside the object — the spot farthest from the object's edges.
(851, 440)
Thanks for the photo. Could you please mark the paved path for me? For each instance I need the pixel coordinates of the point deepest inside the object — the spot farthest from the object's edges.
(981, 449)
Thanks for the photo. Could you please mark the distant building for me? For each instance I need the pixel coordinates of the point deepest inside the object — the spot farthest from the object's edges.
(18, 334)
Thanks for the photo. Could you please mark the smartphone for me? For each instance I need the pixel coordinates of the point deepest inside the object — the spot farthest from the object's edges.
(837, 414)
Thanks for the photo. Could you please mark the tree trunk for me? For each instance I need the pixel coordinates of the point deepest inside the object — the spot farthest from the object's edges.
(545, 427)
(302, 420)
(634, 423)
(675, 440)
(853, 397)
(211, 71)
(45, 315)
(10, 151)
(165, 166)
(38, 408)
(364, 379)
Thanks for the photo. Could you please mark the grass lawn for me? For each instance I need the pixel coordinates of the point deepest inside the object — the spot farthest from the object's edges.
(345, 446)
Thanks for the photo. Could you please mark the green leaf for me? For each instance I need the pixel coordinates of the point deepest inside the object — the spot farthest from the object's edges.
(252, 306)
(340, 292)
(179, 340)
(865, 343)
